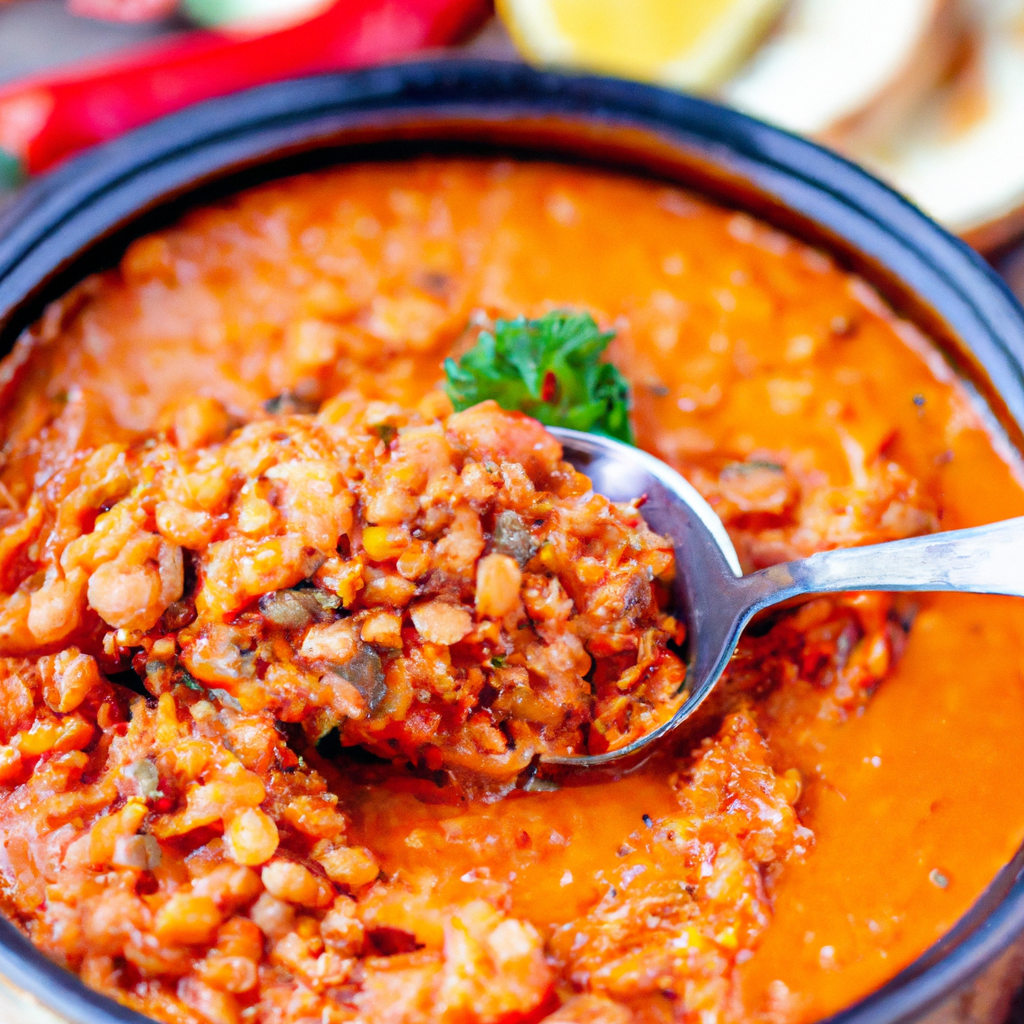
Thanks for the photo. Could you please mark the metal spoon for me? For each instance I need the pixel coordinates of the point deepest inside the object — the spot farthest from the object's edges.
(716, 601)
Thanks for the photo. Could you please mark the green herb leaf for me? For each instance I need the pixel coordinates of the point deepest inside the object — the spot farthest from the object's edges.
(191, 682)
(548, 368)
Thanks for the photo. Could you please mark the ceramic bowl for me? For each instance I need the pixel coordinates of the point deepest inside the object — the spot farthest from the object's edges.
(79, 219)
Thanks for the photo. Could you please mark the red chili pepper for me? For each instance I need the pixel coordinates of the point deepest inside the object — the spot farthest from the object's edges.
(45, 119)
(549, 387)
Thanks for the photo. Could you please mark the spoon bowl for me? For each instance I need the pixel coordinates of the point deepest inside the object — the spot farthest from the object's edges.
(716, 601)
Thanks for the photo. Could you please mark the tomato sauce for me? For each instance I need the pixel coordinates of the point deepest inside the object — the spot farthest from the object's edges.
(808, 414)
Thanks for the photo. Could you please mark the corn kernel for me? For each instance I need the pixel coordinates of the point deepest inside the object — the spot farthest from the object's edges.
(382, 543)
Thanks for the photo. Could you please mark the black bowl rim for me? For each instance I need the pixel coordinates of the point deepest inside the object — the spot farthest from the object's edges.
(60, 219)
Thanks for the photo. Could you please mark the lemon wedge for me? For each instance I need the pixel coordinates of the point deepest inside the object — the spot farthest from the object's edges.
(690, 44)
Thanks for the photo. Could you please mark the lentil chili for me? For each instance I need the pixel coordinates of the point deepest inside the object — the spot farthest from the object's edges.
(193, 856)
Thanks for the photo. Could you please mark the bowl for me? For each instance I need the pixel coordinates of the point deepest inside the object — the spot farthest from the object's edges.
(80, 218)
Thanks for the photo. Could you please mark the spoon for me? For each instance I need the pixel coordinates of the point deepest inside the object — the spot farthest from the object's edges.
(716, 601)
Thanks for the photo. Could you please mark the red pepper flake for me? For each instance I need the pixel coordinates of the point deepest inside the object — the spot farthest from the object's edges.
(146, 884)
(549, 389)
(163, 805)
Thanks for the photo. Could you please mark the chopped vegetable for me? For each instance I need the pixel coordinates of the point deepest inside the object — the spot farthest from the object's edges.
(548, 368)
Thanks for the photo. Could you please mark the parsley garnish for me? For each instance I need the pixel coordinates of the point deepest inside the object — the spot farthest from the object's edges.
(548, 368)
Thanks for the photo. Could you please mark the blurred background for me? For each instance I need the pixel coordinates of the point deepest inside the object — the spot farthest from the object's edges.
(929, 94)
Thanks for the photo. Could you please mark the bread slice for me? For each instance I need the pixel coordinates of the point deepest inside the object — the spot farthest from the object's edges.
(961, 155)
(845, 72)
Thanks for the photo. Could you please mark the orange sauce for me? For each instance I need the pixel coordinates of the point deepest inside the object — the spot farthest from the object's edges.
(738, 341)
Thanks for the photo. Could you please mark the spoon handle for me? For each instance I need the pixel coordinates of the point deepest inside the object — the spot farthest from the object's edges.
(981, 560)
